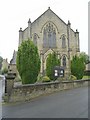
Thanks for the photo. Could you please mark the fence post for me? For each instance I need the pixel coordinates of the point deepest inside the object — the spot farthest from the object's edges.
(9, 84)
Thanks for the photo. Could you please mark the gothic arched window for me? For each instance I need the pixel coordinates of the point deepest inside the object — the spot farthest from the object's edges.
(49, 36)
(64, 61)
(45, 40)
(54, 39)
(63, 42)
(35, 38)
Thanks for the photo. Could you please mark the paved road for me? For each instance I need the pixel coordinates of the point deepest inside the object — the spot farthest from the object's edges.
(64, 104)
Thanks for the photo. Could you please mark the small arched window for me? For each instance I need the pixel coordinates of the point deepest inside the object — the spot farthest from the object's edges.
(64, 61)
(63, 41)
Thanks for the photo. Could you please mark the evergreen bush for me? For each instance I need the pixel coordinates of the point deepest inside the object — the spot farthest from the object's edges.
(77, 67)
(51, 62)
(28, 62)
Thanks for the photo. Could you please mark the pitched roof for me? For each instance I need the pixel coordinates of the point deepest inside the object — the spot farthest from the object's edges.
(49, 9)
(46, 12)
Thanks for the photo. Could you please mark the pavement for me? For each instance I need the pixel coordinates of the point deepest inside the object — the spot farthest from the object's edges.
(64, 104)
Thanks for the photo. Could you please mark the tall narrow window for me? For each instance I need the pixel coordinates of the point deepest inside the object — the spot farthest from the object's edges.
(50, 39)
(54, 39)
(64, 61)
(45, 40)
(63, 42)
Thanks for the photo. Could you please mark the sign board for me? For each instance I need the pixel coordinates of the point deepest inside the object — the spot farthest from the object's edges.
(58, 71)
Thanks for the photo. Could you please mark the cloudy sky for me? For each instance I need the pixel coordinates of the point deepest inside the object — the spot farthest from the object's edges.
(15, 14)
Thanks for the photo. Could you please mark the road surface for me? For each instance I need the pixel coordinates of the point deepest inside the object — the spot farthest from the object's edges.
(64, 104)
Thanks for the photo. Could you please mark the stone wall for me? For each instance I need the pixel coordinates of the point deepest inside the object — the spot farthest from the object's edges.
(27, 92)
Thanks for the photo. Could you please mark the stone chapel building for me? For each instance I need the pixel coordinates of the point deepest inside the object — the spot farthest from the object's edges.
(50, 33)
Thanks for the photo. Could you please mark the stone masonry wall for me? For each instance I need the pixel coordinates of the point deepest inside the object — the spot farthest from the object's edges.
(27, 92)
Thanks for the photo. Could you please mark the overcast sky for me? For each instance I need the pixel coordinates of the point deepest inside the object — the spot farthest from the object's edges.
(15, 14)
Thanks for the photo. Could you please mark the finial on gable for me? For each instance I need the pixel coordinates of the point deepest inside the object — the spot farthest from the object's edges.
(20, 30)
(77, 31)
(69, 22)
(48, 7)
(29, 21)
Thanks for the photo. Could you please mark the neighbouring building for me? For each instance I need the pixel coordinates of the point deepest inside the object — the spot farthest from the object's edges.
(51, 34)
(87, 70)
(12, 65)
(5, 64)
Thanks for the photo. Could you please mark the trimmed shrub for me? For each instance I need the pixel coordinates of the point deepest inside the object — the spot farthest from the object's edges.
(72, 77)
(45, 79)
(4, 71)
(28, 62)
(51, 62)
(77, 67)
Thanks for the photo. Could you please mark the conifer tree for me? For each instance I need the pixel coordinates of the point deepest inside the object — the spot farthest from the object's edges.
(28, 62)
(51, 62)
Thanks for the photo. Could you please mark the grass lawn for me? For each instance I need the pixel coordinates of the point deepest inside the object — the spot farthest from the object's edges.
(86, 77)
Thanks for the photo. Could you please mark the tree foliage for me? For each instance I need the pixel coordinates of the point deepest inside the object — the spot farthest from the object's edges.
(51, 62)
(77, 67)
(85, 57)
(28, 62)
(1, 60)
(4, 71)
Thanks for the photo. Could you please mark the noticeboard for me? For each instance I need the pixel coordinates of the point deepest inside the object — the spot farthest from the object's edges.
(58, 71)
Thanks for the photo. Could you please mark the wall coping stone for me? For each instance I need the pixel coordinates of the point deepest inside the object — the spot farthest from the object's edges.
(50, 83)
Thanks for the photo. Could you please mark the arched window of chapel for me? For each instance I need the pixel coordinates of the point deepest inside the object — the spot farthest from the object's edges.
(54, 38)
(64, 61)
(49, 36)
(45, 40)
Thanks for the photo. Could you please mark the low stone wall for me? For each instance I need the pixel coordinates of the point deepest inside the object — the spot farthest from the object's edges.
(27, 92)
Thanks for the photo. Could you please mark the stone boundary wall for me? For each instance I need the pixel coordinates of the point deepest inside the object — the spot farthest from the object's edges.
(27, 92)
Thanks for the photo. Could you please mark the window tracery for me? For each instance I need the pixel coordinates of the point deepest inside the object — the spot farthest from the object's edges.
(49, 36)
